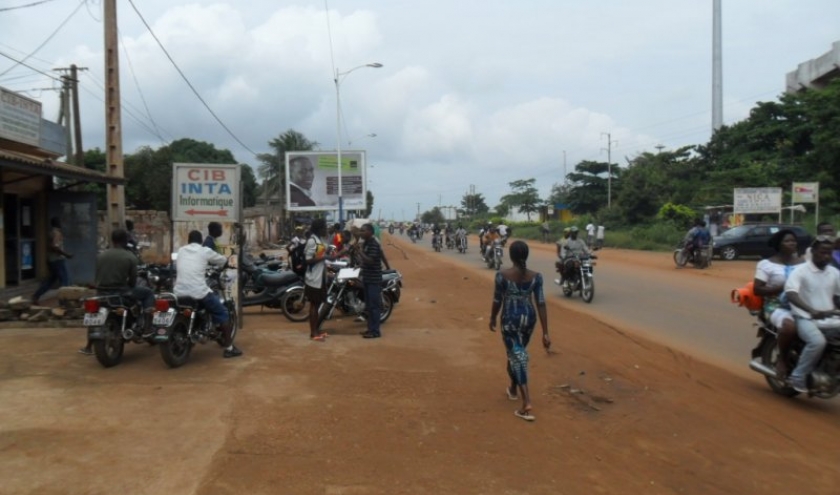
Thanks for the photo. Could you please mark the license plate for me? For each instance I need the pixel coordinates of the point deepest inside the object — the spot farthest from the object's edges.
(95, 319)
(163, 319)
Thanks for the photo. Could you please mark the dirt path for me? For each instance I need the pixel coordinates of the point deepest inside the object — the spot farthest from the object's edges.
(421, 410)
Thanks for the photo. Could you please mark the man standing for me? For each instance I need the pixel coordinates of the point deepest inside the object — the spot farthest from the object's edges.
(214, 231)
(545, 229)
(813, 290)
(315, 288)
(372, 258)
(116, 273)
(191, 282)
(56, 264)
(599, 237)
(590, 234)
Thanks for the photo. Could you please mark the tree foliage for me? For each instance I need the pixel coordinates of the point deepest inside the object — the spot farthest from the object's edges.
(474, 204)
(524, 197)
(433, 216)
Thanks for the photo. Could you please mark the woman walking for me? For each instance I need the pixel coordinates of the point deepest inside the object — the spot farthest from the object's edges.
(518, 290)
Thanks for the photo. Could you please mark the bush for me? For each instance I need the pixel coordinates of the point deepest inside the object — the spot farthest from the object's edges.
(680, 215)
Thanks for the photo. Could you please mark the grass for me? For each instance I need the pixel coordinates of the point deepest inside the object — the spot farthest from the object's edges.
(659, 236)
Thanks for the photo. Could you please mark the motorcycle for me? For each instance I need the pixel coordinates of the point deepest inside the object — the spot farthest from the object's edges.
(579, 276)
(450, 242)
(823, 382)
(699, 257)
(462, 244)
(180, 323)
(413, 235)
(494, 261)
(158, 277)
(111, 321)
(346, 293)
(436, 242)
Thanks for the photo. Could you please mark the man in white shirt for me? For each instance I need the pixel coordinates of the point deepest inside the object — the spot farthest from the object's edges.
(590, 234)
(813, 290)
(190, 282)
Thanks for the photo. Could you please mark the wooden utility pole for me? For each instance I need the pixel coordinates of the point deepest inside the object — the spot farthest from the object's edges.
(77, 119)
(70, 95)
(113, 119)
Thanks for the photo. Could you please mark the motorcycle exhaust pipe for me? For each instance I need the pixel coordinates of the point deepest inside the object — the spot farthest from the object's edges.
(760, 367)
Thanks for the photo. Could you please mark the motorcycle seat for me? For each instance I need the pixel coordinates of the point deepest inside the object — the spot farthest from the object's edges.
(388, 272)
(188, 302)
(278, 279)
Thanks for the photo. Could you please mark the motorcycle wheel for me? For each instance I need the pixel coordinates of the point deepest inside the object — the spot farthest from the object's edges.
(567, 289)
(680, 259)
(587, 288)
(295, 305)
(176, 350)
(109, 350)
(769, 355)
(387, 307)
(497, 264)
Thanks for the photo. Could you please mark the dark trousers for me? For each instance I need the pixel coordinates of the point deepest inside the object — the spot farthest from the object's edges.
(373, 305)
(58, 272)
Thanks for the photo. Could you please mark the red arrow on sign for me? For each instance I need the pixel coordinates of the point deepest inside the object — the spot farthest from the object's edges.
(221, 213)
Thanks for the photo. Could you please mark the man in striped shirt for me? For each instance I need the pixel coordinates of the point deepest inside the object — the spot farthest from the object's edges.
(372, 257)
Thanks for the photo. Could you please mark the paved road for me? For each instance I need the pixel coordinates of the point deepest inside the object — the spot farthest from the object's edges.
(688, 309)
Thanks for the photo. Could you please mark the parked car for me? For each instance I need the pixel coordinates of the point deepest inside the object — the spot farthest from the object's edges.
(751, 240)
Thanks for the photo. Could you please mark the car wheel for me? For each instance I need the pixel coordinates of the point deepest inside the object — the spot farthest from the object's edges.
(729, 253)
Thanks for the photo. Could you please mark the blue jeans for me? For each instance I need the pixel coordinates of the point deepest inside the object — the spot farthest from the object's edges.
(373, 305)
(58, 272)
(811, 354)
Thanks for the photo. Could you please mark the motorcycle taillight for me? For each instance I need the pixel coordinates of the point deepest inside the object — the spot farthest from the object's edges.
(161, 305)
(91, 306)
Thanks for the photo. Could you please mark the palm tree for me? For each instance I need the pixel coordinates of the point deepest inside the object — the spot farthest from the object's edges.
(272, 168)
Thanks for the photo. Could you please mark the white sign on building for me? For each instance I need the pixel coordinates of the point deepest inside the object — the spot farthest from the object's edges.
(20, 118)
(205, 192)
(749, 200)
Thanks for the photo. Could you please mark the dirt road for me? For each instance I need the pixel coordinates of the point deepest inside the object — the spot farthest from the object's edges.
(421, 410)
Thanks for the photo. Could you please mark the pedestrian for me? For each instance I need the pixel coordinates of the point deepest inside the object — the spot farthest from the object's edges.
(590, 234)
(546, 231)
(372, 258)
(214, 231)
(315, 289)
(517, 291)
(599, 237)
(56, 261)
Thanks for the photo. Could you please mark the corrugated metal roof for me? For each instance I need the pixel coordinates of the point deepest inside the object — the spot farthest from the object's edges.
(22, 162)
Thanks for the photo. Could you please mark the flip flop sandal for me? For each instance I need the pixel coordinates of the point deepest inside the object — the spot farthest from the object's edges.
(527, 416)
(319, 338)
(511, 396)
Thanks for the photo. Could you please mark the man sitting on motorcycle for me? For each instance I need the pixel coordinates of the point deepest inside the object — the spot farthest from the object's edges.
(489, 238)
(698, 237)
(435, 234)
(571, 249)
(813, 290)
(461, 235)
(448, 233)
(191, 282)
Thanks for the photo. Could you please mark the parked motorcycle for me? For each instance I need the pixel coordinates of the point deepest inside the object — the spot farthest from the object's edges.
(699, 257)
(579, 276)
(158, 277)
(346, 293)
(494, 260)
(182, 322)
(111, 321)
(823, 382)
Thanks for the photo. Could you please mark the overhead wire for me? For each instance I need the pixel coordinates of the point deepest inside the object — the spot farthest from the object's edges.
(140, 91)
(186, 80)
(20, 62)
(33, 4)
(50, 37)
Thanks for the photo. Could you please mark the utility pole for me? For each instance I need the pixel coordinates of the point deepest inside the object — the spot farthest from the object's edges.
(565, 174)
(113, 119)
(717, 68)
(418, 212)
(608, 149)
(659, 148)
(64, 116)
(78, 157)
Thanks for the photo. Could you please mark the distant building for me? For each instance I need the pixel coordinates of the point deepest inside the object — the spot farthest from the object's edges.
(815, 73)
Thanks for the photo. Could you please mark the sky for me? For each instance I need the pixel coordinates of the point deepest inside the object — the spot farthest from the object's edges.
(470, 94)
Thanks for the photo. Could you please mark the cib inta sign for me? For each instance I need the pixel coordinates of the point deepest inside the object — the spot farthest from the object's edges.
(205, 192)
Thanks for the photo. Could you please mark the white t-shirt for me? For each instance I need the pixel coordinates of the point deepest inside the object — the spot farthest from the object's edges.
(190, 279)
(314, 273)
(503, 230)
(600, 232)
(775, 275)
(816, 287)
(590, 229)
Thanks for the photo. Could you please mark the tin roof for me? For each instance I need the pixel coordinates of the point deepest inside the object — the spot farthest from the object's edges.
(24, 163)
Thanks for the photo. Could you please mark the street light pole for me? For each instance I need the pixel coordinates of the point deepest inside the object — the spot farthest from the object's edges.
(338, 76)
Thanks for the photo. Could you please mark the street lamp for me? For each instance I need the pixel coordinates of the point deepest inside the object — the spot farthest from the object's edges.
(338, 77)
(371, 135)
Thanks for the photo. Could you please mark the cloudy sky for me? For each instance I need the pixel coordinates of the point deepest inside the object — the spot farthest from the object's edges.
(470, 93)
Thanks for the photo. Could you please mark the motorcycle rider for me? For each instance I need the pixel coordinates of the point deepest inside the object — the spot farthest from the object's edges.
(191, 282)
(447, 231)
(490, 237)
(697, 237)
(461, 235)
(435, 234)
(116, 273)
(569, 250)
(813, 290)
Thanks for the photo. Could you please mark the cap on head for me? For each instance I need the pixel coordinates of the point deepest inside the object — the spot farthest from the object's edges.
(299, 228)
(573, 229)
(567, 229)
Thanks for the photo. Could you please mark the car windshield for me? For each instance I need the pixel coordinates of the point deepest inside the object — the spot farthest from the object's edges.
(739, 231)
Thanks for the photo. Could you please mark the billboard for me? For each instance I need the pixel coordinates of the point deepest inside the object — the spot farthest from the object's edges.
(312, 180)
(757, 200)
(805, 192)
(20, 118)
(205, 192)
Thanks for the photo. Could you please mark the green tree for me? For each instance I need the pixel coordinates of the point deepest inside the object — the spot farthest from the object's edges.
(433, 216)
(249, 186)
(474, 204)
(524, 197)
(588, 186)
(368, 204)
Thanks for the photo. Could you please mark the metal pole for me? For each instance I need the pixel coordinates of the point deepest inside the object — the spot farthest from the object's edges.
(717, 68)
(338, 147)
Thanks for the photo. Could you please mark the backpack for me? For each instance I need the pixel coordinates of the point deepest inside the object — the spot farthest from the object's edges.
(297, 259)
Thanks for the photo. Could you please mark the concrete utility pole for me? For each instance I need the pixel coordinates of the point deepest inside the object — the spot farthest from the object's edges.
(113, 119)
(608, 149)
(717, 69)
(72, 84)
(418, 212)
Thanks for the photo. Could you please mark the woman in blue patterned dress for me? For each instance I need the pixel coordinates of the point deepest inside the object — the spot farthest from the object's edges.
(518, 290)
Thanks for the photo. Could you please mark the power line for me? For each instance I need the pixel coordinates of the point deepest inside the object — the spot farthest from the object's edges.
(33, 4)
(20, 62)
(140, 91)
(184, 77)
(65, 21)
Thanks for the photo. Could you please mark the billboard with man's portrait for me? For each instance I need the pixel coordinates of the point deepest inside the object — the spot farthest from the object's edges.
(312, 180)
